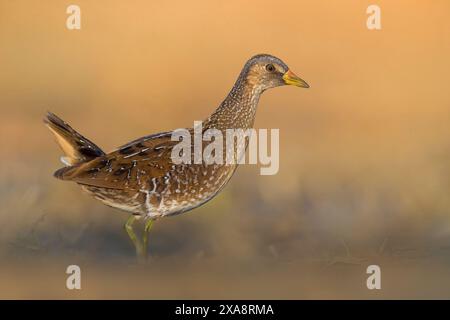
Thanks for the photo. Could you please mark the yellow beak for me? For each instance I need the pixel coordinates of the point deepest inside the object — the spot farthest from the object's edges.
(290, 78)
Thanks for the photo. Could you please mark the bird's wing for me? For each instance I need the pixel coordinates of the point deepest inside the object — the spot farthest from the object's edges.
(132, 166)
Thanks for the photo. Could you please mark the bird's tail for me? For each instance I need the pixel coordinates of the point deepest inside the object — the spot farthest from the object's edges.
(77, 149)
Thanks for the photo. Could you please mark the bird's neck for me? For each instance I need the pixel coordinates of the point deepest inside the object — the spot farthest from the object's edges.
(238, 109)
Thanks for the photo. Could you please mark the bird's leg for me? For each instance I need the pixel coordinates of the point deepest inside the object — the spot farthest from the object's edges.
(148, 226)
(132, 235)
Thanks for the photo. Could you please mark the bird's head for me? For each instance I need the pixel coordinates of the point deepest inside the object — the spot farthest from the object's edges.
(265, 71)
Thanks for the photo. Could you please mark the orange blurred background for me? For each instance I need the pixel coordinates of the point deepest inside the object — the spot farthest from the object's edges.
(364, 162)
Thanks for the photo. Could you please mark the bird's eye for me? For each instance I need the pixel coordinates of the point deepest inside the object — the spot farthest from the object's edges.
(270, 67)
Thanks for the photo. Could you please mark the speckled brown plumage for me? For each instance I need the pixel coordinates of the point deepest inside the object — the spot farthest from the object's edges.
(140, 177)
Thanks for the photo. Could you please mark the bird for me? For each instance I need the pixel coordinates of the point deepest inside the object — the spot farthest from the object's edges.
(142, 178)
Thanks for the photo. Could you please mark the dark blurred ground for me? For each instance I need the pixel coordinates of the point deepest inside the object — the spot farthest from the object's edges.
(364, 167)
